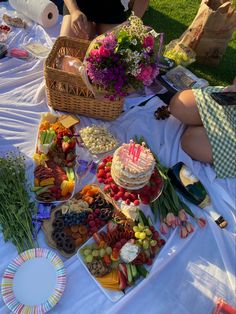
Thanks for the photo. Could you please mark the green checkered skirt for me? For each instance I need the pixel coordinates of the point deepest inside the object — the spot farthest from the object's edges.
(220, 125)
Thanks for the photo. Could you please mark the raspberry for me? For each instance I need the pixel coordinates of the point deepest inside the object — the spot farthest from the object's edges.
(120, 194)
(110, 180)
(145, 200)
(107, 169)
(136, 202)
(97, 211)
(107, 187)
(121, 189)
(127, 194)
(112, 194)
(101, 173)
(100, 180)
(92, 223)
(116, 197)
(114, 187)
(132, 197)
(97, 221)
(127, 202)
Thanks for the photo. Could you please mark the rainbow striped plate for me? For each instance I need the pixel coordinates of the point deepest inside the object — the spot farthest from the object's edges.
(33, 282)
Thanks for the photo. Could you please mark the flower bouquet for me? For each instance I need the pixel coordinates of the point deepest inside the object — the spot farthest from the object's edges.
(123, 59)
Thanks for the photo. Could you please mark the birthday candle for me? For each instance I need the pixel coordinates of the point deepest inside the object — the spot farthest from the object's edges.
(138, 152)
(133, 152)
(130, 146)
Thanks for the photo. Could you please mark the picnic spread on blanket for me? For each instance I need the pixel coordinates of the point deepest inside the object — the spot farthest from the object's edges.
(101, 210)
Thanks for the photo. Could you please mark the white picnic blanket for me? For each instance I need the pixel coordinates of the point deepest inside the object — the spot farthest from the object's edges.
(189, 274)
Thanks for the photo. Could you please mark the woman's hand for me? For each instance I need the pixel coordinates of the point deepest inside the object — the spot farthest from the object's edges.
(231, 88)
(79, 23)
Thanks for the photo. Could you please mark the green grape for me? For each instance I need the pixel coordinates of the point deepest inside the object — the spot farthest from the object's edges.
(94, 246)
(108, 250)
(89, 258)
(95, 253)
(142, 235)
(148, 232)
(137, 235)
(102, 252)
(136, 229)
(153, 242)
(145, 244)
(139, 242)
(141, 226)
(87, 252)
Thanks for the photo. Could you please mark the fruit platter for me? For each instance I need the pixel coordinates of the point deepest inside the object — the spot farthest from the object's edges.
(131, 175)
(55, 160)
(74, 222)
(121, 254)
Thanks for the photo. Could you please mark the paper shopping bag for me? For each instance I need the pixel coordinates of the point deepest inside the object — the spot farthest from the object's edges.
(211, 30)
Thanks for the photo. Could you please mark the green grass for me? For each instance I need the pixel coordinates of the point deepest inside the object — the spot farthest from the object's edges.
(173, 18)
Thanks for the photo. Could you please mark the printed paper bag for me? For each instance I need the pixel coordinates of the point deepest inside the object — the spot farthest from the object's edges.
(211, 30)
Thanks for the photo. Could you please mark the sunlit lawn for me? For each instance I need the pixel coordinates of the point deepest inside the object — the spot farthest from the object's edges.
(172, 18)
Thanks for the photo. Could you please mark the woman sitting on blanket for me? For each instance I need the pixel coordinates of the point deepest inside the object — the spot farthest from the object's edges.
(87, 18)
(210, 135)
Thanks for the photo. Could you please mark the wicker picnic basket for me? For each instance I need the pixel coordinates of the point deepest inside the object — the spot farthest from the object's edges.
(67, 91)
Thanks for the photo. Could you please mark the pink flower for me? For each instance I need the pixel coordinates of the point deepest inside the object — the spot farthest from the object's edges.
(170, 220)
(189, 227)
(182, 215)
(183, 232)
(201, 222)
(148, 42)
(177, 221)
(164, 228)
(94, 53)
(145, 74)
(104, 52)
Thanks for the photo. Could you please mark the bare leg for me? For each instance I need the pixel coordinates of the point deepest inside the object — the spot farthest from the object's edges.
(183, 107)
(196, 144)
(66, 29)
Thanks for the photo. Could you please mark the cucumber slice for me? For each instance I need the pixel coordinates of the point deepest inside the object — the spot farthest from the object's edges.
(142, 270)
(129, 273)
(134, 271)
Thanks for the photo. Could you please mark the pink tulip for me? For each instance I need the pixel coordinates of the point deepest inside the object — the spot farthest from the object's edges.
(177, 221)
(182, 215)
(164, 228)
(189, 227)
(201, 222)
(183, 232)
(170, 219)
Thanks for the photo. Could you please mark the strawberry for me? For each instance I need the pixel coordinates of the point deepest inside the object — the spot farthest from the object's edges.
(65, 146)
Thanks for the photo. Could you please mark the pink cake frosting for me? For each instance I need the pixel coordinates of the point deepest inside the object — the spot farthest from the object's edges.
(132, 166)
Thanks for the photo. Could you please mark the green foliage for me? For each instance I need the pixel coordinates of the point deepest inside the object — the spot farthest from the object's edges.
(16, 209)
(173, 18)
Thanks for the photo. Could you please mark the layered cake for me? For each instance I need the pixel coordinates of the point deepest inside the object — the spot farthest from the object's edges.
(132, 166)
